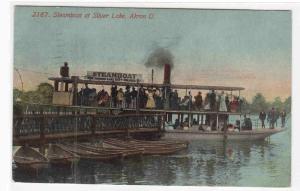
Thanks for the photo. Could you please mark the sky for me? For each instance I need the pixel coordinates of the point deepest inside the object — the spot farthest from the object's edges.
(246, 48)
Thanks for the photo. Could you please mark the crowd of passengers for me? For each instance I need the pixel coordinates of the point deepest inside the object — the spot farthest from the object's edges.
(155, 98)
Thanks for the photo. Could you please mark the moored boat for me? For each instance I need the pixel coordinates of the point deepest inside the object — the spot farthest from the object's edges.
(244, 135)
(28, 158)
(149, 148)
(59, 156)
(89, 155)
(102, 147)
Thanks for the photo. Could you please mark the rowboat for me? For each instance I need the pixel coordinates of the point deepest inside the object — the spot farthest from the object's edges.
(89, 155)
(28, 158)
(149, 148)
(244, 135)
(166, 143)
(97, 149)
(125, 152)
(115, 144)
(59, 156)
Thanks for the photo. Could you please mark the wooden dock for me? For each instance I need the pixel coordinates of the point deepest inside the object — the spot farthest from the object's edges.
(40, 129)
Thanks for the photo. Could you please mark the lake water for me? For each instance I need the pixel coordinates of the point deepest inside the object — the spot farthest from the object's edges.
(205, 163)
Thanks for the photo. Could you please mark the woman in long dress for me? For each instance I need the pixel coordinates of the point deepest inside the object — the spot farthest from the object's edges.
(150, 101)
(222, 102)
(120, 97)
(207, 102)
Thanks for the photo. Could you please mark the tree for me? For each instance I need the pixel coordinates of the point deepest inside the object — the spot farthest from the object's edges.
(277, 103)
(45, 93)
(287, 104)
(246, 106)
(17, 95)
(259, 103)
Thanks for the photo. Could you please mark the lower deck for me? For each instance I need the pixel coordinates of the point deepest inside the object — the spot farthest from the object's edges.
(194, 134)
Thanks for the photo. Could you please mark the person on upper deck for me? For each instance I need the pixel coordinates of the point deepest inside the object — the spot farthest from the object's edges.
(240, 103)
(198, 101)
(227, 102)
(174, 100)
(142, 97)
(133, 95)
(207, 101)
(213, 100)
(158, 99)
(190, 100)
(64, 70)
(120, 98)
(85, 95)
(222, 101)
(114, 92)
(234, 104)
(262, 117)
(150, 100)
(127, 95)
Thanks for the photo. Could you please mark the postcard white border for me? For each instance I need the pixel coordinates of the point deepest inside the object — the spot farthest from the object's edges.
(6, 55)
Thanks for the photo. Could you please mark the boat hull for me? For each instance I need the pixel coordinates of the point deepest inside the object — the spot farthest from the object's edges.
(32, 166)
(29, 159)
(257, 134)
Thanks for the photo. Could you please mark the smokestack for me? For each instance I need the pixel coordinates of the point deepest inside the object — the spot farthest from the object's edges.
(167, 74)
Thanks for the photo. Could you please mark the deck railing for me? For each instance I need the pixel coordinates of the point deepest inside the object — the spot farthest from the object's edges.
(41, 124)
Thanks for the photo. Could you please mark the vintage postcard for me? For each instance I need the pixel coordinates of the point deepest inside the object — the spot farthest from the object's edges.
(152, 96)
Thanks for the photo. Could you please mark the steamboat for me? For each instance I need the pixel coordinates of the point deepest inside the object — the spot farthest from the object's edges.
(191, 122)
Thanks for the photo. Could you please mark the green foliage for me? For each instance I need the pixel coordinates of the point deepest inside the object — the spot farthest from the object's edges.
(43, 94)
(259, 104)
(246, 106)
(287, 104)
(277, 103)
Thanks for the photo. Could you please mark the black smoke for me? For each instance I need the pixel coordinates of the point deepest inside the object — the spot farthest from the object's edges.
(159, 57)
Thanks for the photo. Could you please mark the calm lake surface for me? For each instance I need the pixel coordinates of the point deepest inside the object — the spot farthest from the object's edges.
(205, 163)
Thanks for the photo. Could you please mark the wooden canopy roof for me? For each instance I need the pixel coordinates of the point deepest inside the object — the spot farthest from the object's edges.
(155, 85)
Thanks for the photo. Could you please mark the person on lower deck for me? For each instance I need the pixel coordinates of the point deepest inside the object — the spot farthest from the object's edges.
(262, 117)
(247, 124)
(277, 115)
(271, 117)
(283, 116)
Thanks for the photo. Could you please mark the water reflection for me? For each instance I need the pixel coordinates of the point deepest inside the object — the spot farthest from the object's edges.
(207, 163)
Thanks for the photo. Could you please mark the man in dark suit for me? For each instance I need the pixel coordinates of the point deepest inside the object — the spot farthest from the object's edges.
(64, 70)
(262, 117)
(213, 100)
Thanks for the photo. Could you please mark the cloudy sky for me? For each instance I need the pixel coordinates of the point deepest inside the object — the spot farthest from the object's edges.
(244, 48)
